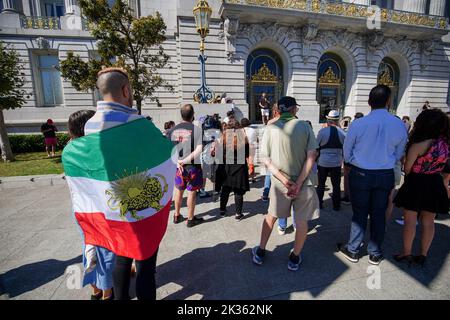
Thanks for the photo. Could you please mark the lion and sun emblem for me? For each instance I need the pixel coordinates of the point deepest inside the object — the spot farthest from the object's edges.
(136, 192)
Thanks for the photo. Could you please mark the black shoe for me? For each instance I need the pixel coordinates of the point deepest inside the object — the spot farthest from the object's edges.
(403, 258)
(376, 260)
(239, 216)
(195, 221)
(97, 296)
(178, 219)
(420, 260)
(345, 200)
(352, 257)
(223, 213)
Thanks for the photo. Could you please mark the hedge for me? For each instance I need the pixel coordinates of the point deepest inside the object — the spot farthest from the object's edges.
(21, 143)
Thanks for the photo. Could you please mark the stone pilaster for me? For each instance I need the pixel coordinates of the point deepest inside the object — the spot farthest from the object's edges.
(437, 7)
(418, 6)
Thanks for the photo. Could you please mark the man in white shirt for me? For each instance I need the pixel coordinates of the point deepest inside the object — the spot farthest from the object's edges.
(372, 147)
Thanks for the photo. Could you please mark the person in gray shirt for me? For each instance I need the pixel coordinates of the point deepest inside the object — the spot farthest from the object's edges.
(331, 141)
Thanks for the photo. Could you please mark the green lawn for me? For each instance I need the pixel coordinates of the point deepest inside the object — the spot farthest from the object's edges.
(34, 163)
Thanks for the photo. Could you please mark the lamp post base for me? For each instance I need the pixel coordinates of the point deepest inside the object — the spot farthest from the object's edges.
(203, 94)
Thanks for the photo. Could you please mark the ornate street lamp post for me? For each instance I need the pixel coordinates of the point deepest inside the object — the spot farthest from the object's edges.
(202, 14)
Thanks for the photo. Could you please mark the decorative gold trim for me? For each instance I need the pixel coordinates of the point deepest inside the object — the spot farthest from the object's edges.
(386, 79)
(329, 77)
(349, 10)
(264, 75)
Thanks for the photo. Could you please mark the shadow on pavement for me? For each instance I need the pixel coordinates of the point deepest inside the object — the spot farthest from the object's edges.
(437, 255)
(226, 271)
(32, 276)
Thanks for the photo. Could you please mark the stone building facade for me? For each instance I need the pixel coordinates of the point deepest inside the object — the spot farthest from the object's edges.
(328, 54)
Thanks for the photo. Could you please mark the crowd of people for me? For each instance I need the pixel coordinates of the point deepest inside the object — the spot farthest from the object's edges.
(370, 153)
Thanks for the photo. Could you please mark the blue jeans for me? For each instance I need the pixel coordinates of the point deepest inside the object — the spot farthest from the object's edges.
(369, 192)
(282, 223)
(267, 185)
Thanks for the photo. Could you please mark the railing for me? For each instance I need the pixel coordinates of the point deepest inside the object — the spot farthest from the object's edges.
(350, 10)
(34, 22)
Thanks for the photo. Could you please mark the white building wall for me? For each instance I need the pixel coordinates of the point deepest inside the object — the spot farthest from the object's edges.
(223, 75)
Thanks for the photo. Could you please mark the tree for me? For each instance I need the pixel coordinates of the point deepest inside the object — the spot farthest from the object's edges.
(11, 94)
(134, 43)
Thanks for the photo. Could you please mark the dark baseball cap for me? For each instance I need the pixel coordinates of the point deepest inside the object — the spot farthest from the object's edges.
(285, 104)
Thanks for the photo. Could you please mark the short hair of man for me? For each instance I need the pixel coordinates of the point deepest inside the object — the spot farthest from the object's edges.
(187, 112)
(110, 81)
(379, 97)
(245, 123)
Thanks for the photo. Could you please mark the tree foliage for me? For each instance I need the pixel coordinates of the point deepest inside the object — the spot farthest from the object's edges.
(12, 95)
(134, 43)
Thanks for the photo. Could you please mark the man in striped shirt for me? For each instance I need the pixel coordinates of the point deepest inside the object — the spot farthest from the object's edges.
(116, 107)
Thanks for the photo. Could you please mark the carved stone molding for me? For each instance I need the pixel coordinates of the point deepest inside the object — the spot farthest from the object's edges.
(43, 43)
(228, 34)
(272, 31)
(309, 34)
(373, 41)
(426, 48)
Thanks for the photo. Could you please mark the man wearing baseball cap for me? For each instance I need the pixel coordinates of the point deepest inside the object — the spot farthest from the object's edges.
(289, 151)
(331, 142)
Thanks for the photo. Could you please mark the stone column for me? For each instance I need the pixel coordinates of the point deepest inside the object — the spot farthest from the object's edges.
(437, 8)
(72, 18)
(398, 5)
(9, 17)
(72, 7)
(8, 6)
(418, 6)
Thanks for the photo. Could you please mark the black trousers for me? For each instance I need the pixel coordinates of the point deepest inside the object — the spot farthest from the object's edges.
(335, 174)
(145, 278)
(238, 198)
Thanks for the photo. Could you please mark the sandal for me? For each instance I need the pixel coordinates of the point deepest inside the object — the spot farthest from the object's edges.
(178, 219)
(97, 296)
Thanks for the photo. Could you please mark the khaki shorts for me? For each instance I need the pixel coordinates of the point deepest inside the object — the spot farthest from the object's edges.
(305, 206)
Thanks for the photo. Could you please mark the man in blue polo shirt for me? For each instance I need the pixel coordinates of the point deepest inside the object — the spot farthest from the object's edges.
(372, 147)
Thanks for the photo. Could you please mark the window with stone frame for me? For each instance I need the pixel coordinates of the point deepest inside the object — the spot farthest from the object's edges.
(52, 8)
(47, 78)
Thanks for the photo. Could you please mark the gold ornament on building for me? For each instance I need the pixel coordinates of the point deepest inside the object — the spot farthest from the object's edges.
(264, 75)
(349, 10)
(386, 79)
(329, 77)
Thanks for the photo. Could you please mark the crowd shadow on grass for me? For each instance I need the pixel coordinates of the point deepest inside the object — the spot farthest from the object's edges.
(31, 276)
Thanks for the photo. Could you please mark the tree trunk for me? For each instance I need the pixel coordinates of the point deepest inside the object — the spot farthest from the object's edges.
(5, 147)
(139, 106)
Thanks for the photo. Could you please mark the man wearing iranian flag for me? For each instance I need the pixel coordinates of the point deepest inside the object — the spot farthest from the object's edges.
(120, 177)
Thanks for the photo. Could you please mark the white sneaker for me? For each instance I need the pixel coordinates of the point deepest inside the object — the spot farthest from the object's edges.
(281, 231)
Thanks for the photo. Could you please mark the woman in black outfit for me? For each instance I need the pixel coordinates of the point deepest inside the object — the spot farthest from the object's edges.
(232, 174)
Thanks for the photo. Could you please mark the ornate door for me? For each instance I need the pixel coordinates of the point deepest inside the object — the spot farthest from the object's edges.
(263, 76)
(330, 85)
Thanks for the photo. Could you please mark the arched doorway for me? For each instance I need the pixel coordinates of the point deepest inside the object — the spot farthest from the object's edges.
(389, 75)
(331, 73)
(264, 74)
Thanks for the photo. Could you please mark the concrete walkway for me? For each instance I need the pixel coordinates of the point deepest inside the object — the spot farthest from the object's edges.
(41, 247)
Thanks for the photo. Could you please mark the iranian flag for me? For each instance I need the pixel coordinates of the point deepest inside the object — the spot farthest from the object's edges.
(121, 183)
